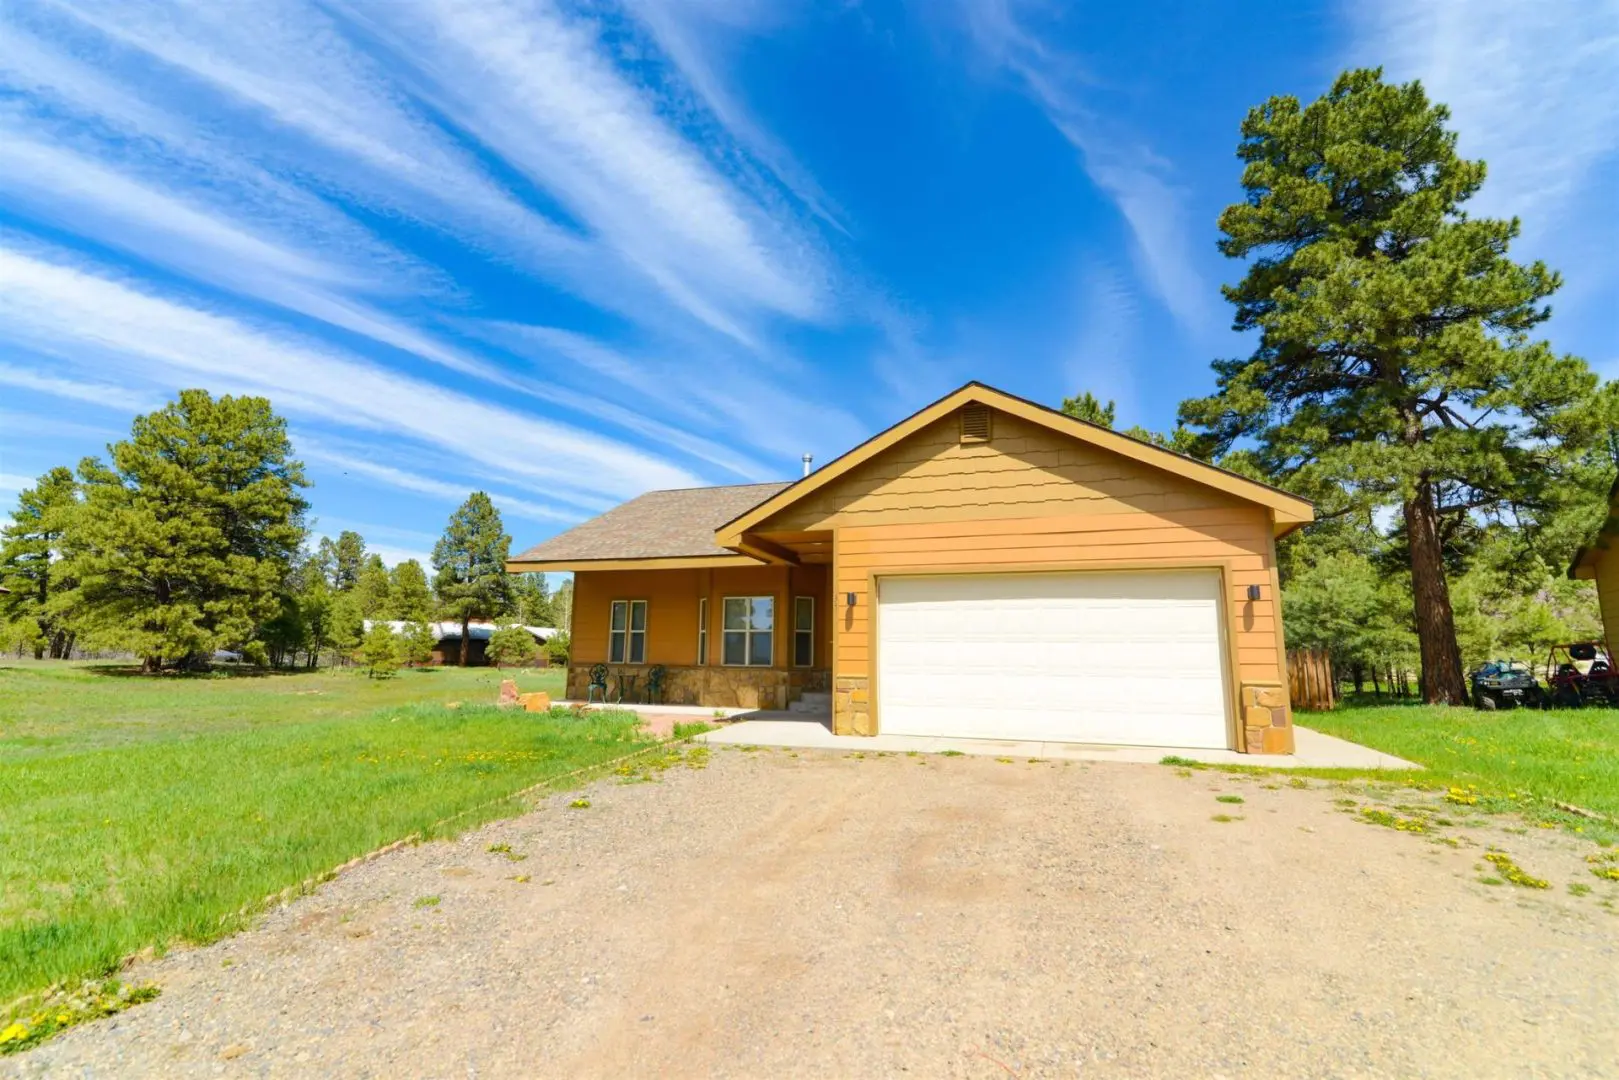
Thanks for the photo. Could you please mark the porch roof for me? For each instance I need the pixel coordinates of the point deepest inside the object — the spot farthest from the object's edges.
(660, 525)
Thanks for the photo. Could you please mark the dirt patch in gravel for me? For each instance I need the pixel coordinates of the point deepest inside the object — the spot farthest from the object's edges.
(797, 914)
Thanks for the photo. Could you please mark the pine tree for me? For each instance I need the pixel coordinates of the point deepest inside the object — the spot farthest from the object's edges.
(1393, 366)
(1089, 407)
(470, 564)
(371, 588)
(186, 537)
(409, 596)
(512, 645)
(341, 560)
(416, 644)
(380, 650)
(532, 600)
(315, 608)
(30, 552)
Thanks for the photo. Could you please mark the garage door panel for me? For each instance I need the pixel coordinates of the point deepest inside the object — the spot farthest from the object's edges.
(1087, 657)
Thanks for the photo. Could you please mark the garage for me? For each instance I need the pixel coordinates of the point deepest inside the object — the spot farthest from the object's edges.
(1133, 658)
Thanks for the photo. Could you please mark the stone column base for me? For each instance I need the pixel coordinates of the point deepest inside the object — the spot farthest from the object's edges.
(1267, 720)
(851, 706)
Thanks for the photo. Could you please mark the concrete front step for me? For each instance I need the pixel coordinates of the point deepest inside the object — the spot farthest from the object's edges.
(818, 703)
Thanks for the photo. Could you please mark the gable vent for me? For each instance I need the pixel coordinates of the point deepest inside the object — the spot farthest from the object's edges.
(975, 424)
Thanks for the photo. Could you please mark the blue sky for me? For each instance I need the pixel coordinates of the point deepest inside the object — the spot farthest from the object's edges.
(570, 252)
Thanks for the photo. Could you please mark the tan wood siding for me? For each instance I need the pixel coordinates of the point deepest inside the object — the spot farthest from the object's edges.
(1607, 579)
(1025, 471)
(672, 597)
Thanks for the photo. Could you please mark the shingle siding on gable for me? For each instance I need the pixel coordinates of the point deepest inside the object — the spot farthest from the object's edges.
(1024, 471)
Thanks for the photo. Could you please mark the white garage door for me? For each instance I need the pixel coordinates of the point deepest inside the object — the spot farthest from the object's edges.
(1131, 658)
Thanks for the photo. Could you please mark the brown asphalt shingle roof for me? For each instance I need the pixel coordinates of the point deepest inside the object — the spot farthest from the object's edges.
(657, 525)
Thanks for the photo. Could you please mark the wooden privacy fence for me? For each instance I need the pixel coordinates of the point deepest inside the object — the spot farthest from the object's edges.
(1309, 679)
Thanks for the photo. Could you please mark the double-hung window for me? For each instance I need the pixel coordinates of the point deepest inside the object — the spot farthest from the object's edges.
(750, 622)
(803, 631)
(626, 638)
(702, 631)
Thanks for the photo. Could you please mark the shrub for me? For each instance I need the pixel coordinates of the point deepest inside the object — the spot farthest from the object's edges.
(416, 644)
(556, 648)
(380, 650)
(512, 645)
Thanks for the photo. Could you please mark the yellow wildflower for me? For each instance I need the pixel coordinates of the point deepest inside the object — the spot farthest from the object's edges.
(13, 1033)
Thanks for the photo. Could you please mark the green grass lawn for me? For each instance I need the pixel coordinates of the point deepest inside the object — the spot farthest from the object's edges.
(139, 811)
(1567, 755)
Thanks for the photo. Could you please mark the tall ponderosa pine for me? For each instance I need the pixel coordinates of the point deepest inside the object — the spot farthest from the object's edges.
(371, 588)
(30, 551)
(1393, 366)
(341, 560)
(409, 596)
(1087, 406)
(470, 564)
(186, 538)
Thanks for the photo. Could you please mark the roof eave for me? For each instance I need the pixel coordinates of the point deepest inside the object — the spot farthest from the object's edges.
(649, 562)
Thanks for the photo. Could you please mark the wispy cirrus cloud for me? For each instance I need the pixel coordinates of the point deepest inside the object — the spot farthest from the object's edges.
(529, 81)
(350, 463)
(1533, 90)
(55, 307)
(1122, 163)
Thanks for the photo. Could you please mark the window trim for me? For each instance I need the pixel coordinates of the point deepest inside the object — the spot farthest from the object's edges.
(702, 631)
(629, 632)
(748, 632)
(806, 630)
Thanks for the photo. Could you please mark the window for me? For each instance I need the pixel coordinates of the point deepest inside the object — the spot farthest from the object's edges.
(749, 621)
(803, 631)
(702, 631)
(626, 640)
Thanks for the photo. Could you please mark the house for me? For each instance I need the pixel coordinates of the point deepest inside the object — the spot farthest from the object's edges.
(1598, 562)
(985, 568)
(447, 640)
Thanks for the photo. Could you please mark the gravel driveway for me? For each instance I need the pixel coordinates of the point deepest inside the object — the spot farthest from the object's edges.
(782, 914)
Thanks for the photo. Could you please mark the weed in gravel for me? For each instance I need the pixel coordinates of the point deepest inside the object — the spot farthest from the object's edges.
(1448, 841)
(1579, 888)
(951, 753)
(697, 757)
(1004, 760)
(506, 850)
(521, 879)
(1490, 880)
(1183, 773)
(1346, 802)
(579, 804)
(1223, 818)
(1229, 798)
(425, 901)
(913, 753)
(1467, 796)
(1298, 782)
(1513, 872)
(1183, 762)
(1603, 865)
(62, 1009)
(1373, 816)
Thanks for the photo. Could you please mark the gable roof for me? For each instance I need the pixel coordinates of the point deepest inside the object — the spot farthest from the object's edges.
(1584, 567)
(677, 524)
(1290, 511)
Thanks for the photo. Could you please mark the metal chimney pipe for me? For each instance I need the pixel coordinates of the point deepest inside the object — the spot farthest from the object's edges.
(807, 459)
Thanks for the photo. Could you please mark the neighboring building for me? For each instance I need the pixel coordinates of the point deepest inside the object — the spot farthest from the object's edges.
(447, 640)
(985, 568)
(1599, 562)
